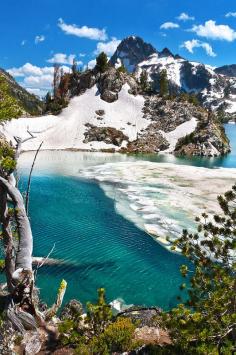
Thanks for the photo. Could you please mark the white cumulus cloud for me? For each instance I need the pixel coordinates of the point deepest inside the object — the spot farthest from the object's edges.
(91, 64)
(230, 14)
(39, 39)
(195, 43)
(213, 31)
(62, 58)
(35, 79)
(185, 17)
(109, 47)
(169, 25)
(84, 31)
(29, 69)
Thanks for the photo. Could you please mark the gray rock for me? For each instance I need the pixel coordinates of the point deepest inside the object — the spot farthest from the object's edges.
(209, 139)
(109, 96)
(108, 135)
(131, 51)
(33, 344)
(72, 310)
(100, 112)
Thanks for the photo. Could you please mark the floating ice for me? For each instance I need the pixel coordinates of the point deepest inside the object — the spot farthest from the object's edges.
(162, 198)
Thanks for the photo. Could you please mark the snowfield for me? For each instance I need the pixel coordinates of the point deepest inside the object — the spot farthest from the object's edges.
(66, 131)
(181, 131)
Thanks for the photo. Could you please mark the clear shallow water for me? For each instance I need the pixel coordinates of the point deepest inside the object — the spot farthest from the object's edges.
(100, 247)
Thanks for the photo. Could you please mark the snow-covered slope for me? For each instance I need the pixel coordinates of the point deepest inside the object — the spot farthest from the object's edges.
(217, 91)
(181, 131)
(86, 122)
(66, 131)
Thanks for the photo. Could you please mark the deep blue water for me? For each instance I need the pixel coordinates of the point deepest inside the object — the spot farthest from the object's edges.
(101, 248)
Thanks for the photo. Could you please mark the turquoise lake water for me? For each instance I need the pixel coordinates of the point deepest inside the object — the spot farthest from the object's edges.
(100, 248)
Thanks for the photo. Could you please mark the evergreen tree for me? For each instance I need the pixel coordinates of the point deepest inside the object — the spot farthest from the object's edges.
(122, 69)
(48, 100)
(56, 80)
(164, 89)
(102, 62)
(99, 314)
(206, 323)
(193, 99)
(74, 67)
(144, 81)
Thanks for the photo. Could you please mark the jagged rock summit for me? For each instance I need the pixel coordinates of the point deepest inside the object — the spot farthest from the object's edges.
(131, 51)
(215, 87)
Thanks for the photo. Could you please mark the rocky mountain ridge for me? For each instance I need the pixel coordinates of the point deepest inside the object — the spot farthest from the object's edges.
(15, 101)
(109, 111)
(215, 87)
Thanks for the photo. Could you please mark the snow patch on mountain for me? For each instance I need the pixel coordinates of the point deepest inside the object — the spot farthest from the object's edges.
(66, 131)
(180, 132)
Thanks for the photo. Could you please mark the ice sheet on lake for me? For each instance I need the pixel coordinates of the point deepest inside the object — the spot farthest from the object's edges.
(162, 198)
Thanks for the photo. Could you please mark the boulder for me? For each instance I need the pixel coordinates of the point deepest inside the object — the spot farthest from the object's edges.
(209, 139)
(71, 310)
(108, 135)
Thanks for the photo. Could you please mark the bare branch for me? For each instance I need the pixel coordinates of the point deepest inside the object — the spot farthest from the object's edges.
(29, 180)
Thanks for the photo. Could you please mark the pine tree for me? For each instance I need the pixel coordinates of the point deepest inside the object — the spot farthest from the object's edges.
(144, 81)
(48, 100)
(206, 322)
(164, 89)
(56, 80)
(102, 62)
(74, 67)
(122, 69)
(99, 314)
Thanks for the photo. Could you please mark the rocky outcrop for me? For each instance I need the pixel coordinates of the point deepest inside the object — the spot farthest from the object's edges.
(149, 141)
(108, 135)
(209, 139)
(109, 83)
(169, 114)
(131, 51)
(71, 310)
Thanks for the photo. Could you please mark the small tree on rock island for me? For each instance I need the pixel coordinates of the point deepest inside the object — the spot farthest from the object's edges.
(102, 62)
(164, 89)
(206, 323)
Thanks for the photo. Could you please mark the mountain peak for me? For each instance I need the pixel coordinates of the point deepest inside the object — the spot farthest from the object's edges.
(131, 51)
(166, 53)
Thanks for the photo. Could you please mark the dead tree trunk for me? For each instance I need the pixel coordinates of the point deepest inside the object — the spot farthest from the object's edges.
(23, 260)
(22, 308)
(8, 239)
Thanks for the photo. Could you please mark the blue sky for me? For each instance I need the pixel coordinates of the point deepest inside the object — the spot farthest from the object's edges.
(36, 33)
